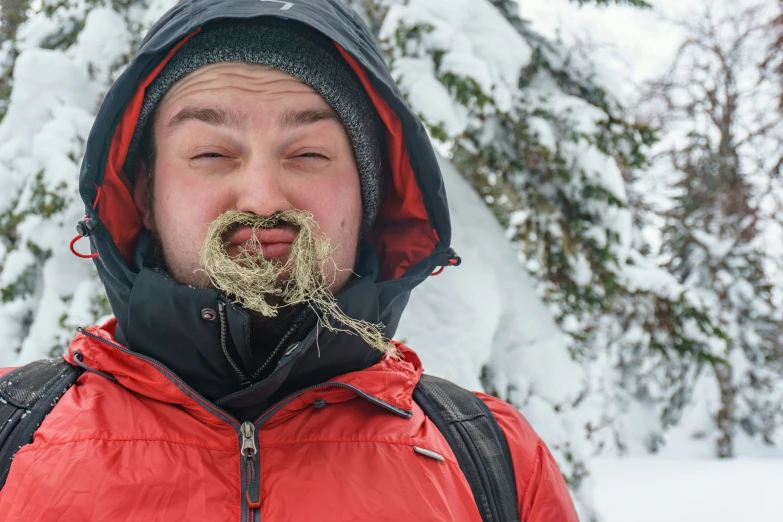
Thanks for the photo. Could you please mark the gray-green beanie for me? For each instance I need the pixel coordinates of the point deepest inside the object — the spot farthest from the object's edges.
(301, 52)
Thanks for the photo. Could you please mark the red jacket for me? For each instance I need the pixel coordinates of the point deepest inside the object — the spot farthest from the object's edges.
(146, 448)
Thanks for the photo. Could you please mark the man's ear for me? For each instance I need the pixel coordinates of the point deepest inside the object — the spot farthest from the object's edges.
(140, 196)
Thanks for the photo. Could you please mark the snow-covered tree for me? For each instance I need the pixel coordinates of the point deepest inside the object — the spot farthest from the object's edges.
(721, 154)
(548, 148)
(58, 58)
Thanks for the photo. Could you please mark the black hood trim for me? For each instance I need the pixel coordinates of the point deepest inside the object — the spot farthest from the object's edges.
(162, 319)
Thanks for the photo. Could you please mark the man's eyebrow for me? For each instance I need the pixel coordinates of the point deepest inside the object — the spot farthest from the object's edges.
(301, 117)
(209, 115)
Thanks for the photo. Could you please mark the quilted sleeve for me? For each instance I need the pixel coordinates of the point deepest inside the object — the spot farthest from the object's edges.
(541, 490)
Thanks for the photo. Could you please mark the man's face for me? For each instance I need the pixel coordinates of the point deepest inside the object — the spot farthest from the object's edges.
(249, 138)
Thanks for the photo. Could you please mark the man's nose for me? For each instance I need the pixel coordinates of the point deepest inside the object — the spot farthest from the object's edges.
(260, 189)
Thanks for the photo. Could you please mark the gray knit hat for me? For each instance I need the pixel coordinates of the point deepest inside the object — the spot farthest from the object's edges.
(301, 52)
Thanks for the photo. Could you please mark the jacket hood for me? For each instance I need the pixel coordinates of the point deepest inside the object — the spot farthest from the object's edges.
(161, 318)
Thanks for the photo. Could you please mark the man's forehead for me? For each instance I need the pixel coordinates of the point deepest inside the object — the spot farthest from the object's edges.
(210, 95)
(236, 79)
(286, 118)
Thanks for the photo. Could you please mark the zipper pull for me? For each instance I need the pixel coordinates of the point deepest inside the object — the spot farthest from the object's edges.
(249, 451)
(249, 448)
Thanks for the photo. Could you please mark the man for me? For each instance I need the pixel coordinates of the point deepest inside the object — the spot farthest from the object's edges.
(261, 203)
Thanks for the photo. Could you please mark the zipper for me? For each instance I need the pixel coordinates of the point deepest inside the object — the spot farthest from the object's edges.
(245, 382)
(249, 449)
(249, 454)
(298, 321)
(252, 482)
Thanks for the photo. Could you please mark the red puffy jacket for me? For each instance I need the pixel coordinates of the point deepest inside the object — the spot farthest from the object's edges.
(146, 448)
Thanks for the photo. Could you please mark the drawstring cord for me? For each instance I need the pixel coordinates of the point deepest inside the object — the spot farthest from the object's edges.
(452, 260)
(84, 228)
(78, 358)
(78, 254)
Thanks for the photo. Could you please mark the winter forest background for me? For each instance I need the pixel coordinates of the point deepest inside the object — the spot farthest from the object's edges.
(615, 171)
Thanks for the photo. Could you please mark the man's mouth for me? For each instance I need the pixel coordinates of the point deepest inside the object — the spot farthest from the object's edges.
(275, 242)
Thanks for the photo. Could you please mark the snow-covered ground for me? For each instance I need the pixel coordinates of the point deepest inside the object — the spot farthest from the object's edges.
(657, 490)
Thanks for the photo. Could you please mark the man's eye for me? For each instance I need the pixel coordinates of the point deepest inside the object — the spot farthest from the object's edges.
(312, 155)
(207, 155)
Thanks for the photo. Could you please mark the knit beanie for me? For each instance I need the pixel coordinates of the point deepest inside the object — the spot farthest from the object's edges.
(301, 52)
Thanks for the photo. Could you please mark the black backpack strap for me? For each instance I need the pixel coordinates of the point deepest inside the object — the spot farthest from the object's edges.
(478, 443)
(27, 395)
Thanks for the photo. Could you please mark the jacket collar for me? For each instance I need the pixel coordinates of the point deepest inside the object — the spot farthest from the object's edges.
(166, 321)
(389, 380)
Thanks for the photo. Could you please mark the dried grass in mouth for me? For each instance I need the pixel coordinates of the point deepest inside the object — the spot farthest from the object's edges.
(265, 286)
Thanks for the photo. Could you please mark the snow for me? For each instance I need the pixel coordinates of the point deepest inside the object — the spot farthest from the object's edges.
(33, 33)
(543, 130)
(428, 96)
(103, 43)
(644, 275)
(42, 138)
(656, 490)
(36, 95)
(147, 13)
(633, 46)
(630, 45)
(486, 311)
(469, 33)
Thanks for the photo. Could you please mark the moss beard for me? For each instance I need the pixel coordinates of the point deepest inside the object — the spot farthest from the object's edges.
(268, 285)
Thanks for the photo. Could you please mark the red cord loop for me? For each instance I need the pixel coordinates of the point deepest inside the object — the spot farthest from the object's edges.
(77, 254)
(454, 260)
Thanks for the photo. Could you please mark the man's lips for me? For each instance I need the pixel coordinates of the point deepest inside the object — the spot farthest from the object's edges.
(275, 242)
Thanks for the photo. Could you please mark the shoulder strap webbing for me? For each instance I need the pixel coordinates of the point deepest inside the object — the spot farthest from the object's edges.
(27, 395)
(478, 443)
